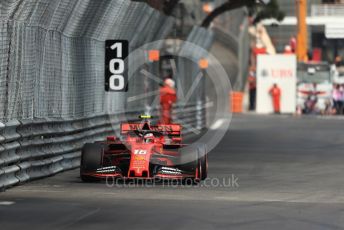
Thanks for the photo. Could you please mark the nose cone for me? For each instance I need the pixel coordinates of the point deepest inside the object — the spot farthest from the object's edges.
(139, 162)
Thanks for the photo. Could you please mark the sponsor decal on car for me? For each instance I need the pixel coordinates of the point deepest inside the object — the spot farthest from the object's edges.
(139, 158)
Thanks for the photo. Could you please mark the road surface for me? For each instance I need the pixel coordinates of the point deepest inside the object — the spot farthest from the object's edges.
(269, 172)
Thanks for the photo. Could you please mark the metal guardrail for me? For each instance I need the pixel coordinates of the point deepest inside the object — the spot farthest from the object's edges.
(328, 10)
(34, 149)
(31, 149)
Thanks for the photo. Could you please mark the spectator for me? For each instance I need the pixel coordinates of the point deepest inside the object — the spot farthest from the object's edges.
(292, 43)
(339, 65)
(338, 61)
(329, 110)
(337, 99)
(252, 84)
(288, 50)
(310, 106)
(341, 104)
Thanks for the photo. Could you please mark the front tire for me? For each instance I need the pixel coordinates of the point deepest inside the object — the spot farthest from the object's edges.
(91, 160)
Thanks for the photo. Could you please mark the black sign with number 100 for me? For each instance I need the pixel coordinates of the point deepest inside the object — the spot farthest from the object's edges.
(116, 65)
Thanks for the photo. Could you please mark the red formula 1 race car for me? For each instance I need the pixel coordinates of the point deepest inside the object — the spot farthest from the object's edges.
(144, 151)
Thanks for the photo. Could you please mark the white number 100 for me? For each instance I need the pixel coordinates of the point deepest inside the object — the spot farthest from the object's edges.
(116, 66)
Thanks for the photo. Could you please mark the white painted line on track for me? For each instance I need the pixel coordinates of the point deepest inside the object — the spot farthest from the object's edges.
(6, 203)
(217, 124)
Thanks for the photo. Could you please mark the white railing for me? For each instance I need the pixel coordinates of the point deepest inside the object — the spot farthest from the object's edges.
(328, 10)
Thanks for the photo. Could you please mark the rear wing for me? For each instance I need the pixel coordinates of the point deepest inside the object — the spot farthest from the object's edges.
(170, 129)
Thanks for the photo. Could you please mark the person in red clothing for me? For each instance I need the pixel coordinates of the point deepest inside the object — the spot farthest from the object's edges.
(168, 97)
(293, 43)
(275, 93)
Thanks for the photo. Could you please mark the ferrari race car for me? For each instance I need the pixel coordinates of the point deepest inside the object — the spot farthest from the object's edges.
(144, 151)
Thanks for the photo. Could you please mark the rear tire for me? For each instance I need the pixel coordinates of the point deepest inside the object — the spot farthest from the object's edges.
(91, 160)
(195, 159)
(203, 162)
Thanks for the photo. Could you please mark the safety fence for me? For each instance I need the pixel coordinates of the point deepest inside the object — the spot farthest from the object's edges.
(190, 74)
(52, 54)
(188, 66)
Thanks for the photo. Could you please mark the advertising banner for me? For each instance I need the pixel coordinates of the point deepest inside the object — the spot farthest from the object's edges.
(278, 70)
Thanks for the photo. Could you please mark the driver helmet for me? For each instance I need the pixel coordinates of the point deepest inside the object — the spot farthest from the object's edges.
(149, 137)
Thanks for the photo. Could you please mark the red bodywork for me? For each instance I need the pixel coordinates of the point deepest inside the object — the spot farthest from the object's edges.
(134, 155)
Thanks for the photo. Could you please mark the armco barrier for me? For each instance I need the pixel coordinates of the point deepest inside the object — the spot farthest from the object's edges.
(39, 148)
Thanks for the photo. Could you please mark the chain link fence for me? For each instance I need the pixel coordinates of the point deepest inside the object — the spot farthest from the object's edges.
(52, 54)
